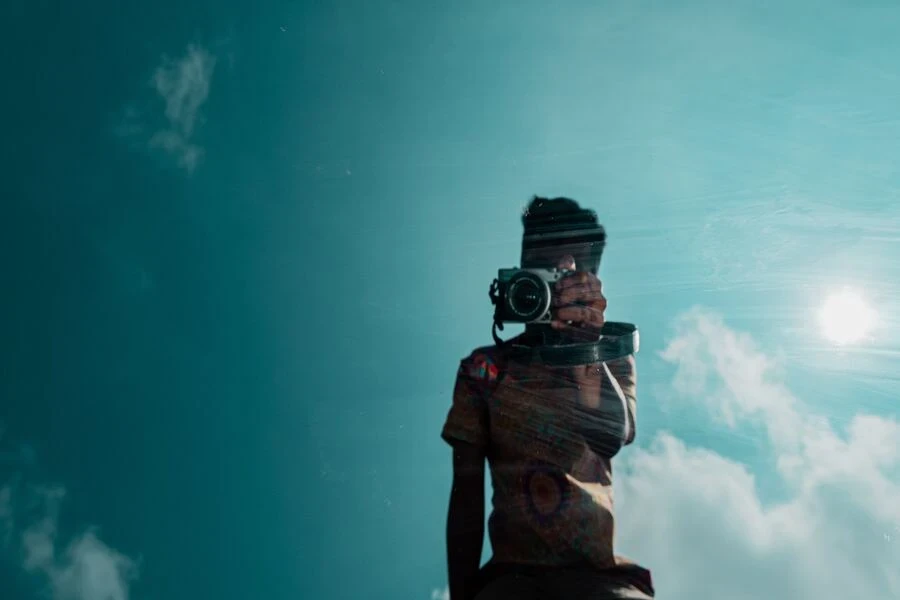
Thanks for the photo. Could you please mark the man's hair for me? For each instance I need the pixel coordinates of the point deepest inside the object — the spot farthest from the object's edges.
(549, 221)
(540, 209)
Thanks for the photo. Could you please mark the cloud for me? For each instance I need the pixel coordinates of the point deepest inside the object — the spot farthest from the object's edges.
(183, 85)
(188, 154)
(443, 594)
(85, 568)
(697, 520)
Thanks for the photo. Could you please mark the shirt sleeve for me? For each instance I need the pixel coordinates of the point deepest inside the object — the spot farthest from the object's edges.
(467, 420)
(624, 372)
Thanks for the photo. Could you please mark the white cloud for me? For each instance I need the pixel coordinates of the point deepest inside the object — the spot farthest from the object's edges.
(695, 518)
(188, 154)
(87, 570)
(37, 542)
(183, 85)
(443, 594)
(84, 569)
(91, 570)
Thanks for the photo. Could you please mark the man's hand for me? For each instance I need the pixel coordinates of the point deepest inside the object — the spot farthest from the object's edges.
(580, 306)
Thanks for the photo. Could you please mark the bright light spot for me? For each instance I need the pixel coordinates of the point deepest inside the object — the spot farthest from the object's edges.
(846, 318)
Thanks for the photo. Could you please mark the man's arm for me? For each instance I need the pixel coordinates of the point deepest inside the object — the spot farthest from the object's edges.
(606, 400)
(606, 413)
(465, 519)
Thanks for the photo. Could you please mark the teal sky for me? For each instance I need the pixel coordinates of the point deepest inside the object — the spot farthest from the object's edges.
(245, 246)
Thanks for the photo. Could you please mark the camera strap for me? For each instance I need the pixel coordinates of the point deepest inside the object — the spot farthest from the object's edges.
(616, 340)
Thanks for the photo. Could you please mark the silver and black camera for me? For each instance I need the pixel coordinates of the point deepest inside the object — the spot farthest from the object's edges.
(525, 295)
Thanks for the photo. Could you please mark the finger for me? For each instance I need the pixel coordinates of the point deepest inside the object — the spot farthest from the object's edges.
(565, 326)
(578, 278)
(587, 294)
(584, 288)
(577, 295)
(576, 332)
(589, 315)
(597, 303)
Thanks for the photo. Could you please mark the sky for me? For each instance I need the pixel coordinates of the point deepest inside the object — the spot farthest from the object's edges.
(244, 247)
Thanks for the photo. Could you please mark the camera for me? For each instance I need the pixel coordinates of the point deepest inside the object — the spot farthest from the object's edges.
(525, 295)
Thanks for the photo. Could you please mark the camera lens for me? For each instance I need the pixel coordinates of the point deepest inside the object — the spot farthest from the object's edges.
(528, 296)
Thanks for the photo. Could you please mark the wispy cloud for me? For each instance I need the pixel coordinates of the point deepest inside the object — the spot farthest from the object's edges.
(183, 85)
(697, 520)
(443, 594)
(84, 568)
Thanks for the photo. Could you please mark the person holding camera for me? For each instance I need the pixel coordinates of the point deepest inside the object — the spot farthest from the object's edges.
(548, 410)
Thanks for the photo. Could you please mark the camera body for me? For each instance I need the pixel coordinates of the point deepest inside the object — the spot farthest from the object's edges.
(525, 295)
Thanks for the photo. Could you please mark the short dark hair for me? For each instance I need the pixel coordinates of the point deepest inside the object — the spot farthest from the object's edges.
(541, 209)
(550, 220)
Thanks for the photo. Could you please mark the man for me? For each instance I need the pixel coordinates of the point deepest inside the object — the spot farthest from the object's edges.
(549, 434)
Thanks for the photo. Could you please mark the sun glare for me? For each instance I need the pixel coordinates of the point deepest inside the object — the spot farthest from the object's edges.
(846, 318)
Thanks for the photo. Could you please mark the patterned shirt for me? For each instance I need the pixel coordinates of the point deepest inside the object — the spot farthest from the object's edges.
(553, 495)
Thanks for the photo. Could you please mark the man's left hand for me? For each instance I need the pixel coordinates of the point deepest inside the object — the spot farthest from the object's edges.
(580, 306)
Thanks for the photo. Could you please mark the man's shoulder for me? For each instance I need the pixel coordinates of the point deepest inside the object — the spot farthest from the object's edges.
(481, 364)
(484, 363)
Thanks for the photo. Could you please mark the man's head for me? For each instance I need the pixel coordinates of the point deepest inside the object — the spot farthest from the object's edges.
(560, 234)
